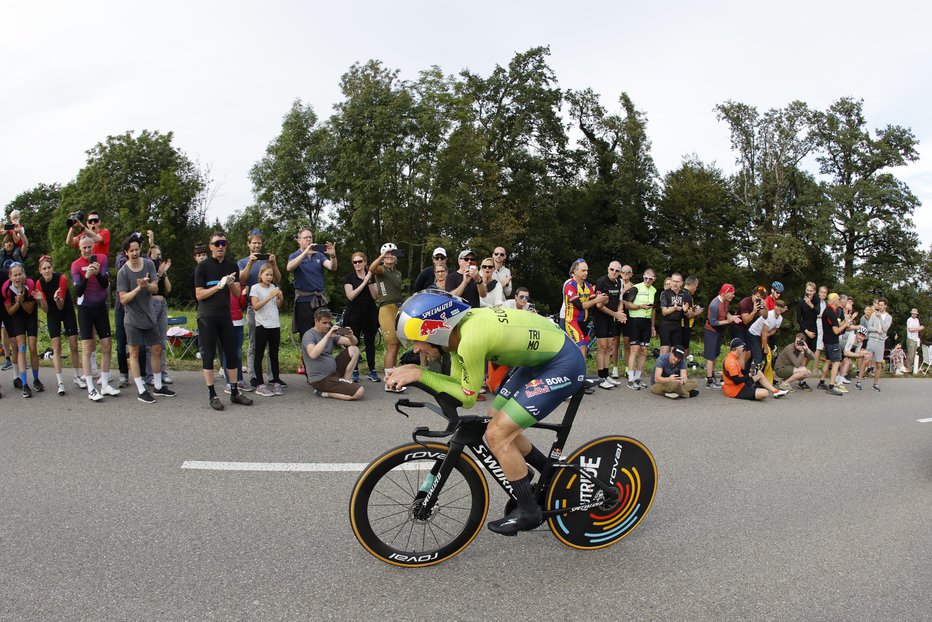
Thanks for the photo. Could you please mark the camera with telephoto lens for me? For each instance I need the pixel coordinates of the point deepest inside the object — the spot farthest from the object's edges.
(74, 217)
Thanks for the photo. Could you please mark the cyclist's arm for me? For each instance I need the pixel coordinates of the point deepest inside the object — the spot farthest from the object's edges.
(465, 380)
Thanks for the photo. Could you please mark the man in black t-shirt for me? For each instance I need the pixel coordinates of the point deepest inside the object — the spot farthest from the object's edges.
(671, 314)
(215, 279)
(466, 282)
(606, 319)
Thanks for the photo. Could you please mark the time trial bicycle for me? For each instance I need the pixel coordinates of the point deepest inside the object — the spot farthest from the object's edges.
(422, 503)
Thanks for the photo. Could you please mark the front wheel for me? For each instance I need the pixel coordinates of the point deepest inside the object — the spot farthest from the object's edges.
(619, 461)
(386, 514)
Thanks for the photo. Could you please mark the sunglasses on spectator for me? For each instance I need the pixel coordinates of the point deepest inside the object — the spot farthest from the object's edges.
(358, 261)
(91, 221)
(219, 243)
(614, 270)
(440, 256)
(488, 267)
(471, 260)
(627, 271)
(498, 254)
(650, 278)
(522, 297)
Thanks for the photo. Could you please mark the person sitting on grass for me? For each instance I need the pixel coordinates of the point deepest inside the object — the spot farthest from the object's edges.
(670, 378)
(751, 385)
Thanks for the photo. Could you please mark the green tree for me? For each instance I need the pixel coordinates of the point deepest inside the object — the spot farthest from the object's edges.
(871, 210)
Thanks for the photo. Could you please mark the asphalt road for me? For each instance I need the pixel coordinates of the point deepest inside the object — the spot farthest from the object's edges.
(813, 507)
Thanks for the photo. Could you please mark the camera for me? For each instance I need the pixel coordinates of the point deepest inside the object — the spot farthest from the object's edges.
(759, 304)
(319, 248)
(800, 343)
(8, 226)
(343, 331)
(264, 256)
(398, 252)
(74, 217)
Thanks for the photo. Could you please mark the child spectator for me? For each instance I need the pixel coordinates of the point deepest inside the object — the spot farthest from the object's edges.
(266, 299)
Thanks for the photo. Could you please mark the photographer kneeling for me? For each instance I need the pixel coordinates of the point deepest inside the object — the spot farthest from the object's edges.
(752, 385)
(329, 375)
(792, 363)
(670, 378)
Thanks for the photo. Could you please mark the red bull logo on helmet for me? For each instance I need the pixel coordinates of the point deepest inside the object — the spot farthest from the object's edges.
(419, 330)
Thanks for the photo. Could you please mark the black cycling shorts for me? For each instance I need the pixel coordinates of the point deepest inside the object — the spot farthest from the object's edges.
(91, 319)
(65, 317)
(212, 330)
(640, 330)
(23, 324)
(670, 334)
(606, 326)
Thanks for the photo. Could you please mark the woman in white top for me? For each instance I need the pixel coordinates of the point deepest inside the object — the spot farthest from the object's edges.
(266, 299)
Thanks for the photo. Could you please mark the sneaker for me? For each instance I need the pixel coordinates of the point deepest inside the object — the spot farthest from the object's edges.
(515, 521)
(785, 386)
(17, 383)
(121, 383)
(841, 388)
(633, 384)
(163, 392)
(836, 390)
(277, 389)
(804, 386)
(694, 393)
(778, 394)
(106, 389)
(79, 382)
(842, 380)
(858, 386)
(7, 364)
(606, 384)
(713, 383)
(95, 395)
(671, 395)
(166, 379)
(37, 386)
(403, 389)
(280, 383)
(822, 385)
(614, 374)
(263, 390)
(244, 387)
(356, 376)
(146, 398)
(374, 377)
(615, 381)
(61, 388)
(877, 388)
(216, 404)
(241, 399)
(641, 384)
(27, 392)
(318, 393)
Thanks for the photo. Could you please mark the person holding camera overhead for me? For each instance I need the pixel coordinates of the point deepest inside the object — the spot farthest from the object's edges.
(308, 264)
(94, 228)
(249, 268)
(386, 290)
(92, 287)
(215, 279)
(15, 231)
(266, 299)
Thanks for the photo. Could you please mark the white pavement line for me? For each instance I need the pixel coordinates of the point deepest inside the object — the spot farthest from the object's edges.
(325, 467)
(929, 420)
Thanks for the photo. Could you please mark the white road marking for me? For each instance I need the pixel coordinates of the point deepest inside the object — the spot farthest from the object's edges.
(929, 420)
(318, 467)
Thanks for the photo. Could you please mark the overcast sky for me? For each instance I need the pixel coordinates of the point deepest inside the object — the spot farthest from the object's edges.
(221, 75)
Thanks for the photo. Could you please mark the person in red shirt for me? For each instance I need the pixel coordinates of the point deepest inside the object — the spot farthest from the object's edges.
(745, 386)
(94, 228)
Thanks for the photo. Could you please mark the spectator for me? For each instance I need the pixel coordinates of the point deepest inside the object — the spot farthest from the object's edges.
(200, 254)
(578, 298)
(388, 296)
(877, 328)
(854, 350)
(266, 299)
(10, 252)
(500, 273)
(427, 276)
(820, 345)
(59, 311)
(249, 268)
(467, 282)
(671, 313)
(522, 301)
(607, 318)
(19, 299)
(214, 279)
(308, 264)
(639, 301)
(832, 327)
(119, 326)
(898, 359)
(807, 315)
(439, 280)
(717, 321)
(237, 309)
(495, 293)
(329, 375)
(95, 229)
(91, 285)
(690, 311)
(792, 363)
(742, 385)
(670, 378)
(750, 308)
(17, 234)
(762, 330)
(625, 327)
(137, 281)
(160, 307)
(913, 328)
(361, 314)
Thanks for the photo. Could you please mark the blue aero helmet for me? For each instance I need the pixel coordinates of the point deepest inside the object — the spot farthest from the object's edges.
(430, 315)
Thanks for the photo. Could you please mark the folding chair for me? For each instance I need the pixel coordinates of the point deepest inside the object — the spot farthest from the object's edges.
(180, 346)
(926, 359)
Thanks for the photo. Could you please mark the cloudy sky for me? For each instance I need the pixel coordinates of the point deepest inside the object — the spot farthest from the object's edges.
(221, 75)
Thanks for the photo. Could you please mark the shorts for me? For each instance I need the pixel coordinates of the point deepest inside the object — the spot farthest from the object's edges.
(784, 371)
(624, 328)
(686, 336)
(65, 318)
(812, 343)
(21, 324)
(832, 352)
(142, 336)
(876, 348)
(640, 331)
(212, 331)
(578, 333)
(532, 393)
(336, 383)
(605, 326)
(670, 334)
(387, 318)
(91, 319)
(712, 344)
(748, 391)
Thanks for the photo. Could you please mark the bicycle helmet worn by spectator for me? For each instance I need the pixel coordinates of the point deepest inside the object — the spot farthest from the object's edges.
(430, 315)
(388, 246)
(862, 330)
(777, 286)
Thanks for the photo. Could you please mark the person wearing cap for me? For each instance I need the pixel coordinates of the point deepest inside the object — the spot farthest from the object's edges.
(426, 278)
(832, 328)
(745, 386)
(670, 378)
(877, 328)
(913, 328)
(792, 364)
(718, 319)
(466, 282)
(386, 289)
(854, 350)
(500, 273)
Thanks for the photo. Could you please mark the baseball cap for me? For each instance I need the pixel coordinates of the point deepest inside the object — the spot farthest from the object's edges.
(199, 248)
(439, 251)
(833, 297)
(737, 343)
(678, 351)
(466, 253)
(916, 311)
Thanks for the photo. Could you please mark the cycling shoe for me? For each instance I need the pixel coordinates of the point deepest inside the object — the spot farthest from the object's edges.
(516, 521)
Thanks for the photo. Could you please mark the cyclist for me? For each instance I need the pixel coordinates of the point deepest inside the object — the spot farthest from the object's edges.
(550, 368)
